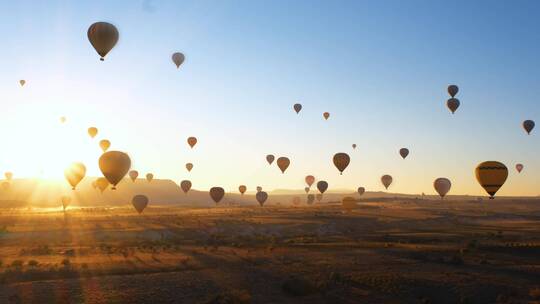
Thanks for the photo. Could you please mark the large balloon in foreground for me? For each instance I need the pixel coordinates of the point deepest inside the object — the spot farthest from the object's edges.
(528, 125)
(192, 141)
(92, 131)
(22, 82)
(133, 174)
(297, 107)
(270, 158)
(326, 115)
(242, 189)
(75, 173)
(491, 175)
(386, 180)
(103, 36)
(139, 202)
(149, 177)
(453, 90)
(361, 190)
(8, 175)
(452, 104)
(66, 200)
(310, 179)
(189, 166)
(310, 199)
(261, 197)
(404, 152)
(178, 58)
(322, 186)
(283, 163)
(185, 185)
(442, 186)
(341, 161)
(102, 183)
(217, 193)
(114, 165)
(104, 145)
(519, 167)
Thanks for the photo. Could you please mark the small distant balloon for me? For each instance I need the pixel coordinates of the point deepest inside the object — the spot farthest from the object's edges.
(6, 185)
(217, 193)
(322, 186)
(114, 165)
(528, 125)
(442, 185)
(8, 175)
(139, 202)
(297, 107)
(92, 131)
(361, 190)
(102, 183)
(310, 179)
(189, 166)
(453, 90)
(319, 197)
(22, 82)
(404, 152)
(259, 188)
(519, 167)
(491, 175)
(306, 189)
(261, 197)
(66, 200)
(242, 189)
(185, 185)
(192, 141)
(104, 144)
(149, 177)
(283, 163)
(341, 161)
(386, 181)
(133, 174)
(63, 119)
(270, 158)
(452, 104)
(75, 173)
(103, 36)
(310, 199)
(354, 146)
(178, 58)
(326, 115)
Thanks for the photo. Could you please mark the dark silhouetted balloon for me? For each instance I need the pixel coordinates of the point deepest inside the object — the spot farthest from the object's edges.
(491, 175)
(178, 58)
(75, 173)
(133, 174)
(306, 189)
(217, 193)
(322, 186)
(386, 180)
(259, 188)
(103, 36)
(149, 177)
(22, 82)
(139, 202)
(361, 190)
(242, 189)
(92, 131)
(283, 163)
(404, 152)
(270, 158)
(310, 199)
(442, 186)
(261, 197)
(192, 141)
(528, 125)
(114, 165)
(319, 197)
(189, 166)
(326, 115)
(341, 161)
(297, 107)
(452, 104)
(519, 167)
(185, 185)
(354, 146)
(453, 90)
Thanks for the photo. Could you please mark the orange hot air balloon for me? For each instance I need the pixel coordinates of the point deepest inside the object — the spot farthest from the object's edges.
(22, 82)
(92, 131)
(354, 146)
(217, 193)
(326, 115)
(178, 58)
(192, 141)
(139, 202)
(104, 145)
(270, 158)
(386, 181)
(261, 197)
(404, 152)
(114, 165)
(310, 179)
(310, 199)
(319, 197)
(297, 107)
(528, 125)
(361, 190)
(75, 173)
(322, 186)
(348, 203)
(306, 189)
(185, 185)
(452, 104)
(103, 36)
(189, 166)
(283, 163)
(149, 177)
(242, 189)
(519, 167)
(8, 175)
(453, 90)
(66, 200)
(491, 175)
(341, 161)
(102, 183)
(133, 174)
(442, 186)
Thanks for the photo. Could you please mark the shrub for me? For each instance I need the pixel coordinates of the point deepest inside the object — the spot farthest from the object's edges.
(66, 262)
(17, 263)
(33, 263)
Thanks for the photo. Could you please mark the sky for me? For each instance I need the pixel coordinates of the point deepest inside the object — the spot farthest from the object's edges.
(380, 68)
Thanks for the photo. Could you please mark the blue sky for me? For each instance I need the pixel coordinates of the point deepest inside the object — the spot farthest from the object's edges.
(380, 68)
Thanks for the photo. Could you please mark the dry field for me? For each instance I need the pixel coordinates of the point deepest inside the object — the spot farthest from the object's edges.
(382, 252)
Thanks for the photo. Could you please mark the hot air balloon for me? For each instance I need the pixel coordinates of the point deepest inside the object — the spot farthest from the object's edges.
(22, 82)
(404, 152)
(322, 186)
(341, 161)
(62, 119)
(114, 165)
(519, 167)
(102, 183)
(75, 173)
(189, 166)
(66, 200)
(6, 185)
(283, 163)
(149, 177)
(491, 175)
(103, 36)
(354, 146)
(310, 199)
(178, 58)
(297, 107)
(319, 197)
(270, 158)
(217, 193)
(528, 125)
(8, 175)
(306, 189)
(261, 197)
(326, 115)
(442, 186)
(348, 203)
(452, 104)
(453, 90)
(192, 141)
(133, 174)
(92, 131)
(259, 188)
(310, 179)
(242, 189)
(386, 180)
(361, 190)
(139, 202)
(185, 185)
(104, 145)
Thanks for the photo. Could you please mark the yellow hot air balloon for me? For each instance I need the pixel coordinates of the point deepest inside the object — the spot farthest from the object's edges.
(242, 189)
(297, 107)
(178, 58)
(453, 90)
(189, 166)
(102, 183)
(139, 202)
(149, 177)
(114, 165)
(326, 115)
(261, 197)
(8, 175)
(104, 144)
(386, 180)
(310, 179)
(63, 119)
(452, 104)
(341, 161)
(92, 131)
(22, 82)
(133, 174)
(404, 152)
(348, 203)
(491, 175)
(75, 173)
(322, 186)
(270, 158)
(185, 185)
(217, 193)
(103, 36)
(442, 185)
(66, 200)
(192, 141)
(283, 163)
(361, 190)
